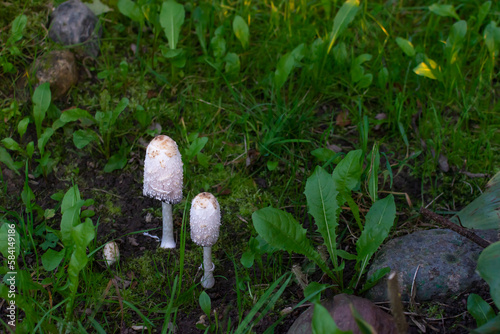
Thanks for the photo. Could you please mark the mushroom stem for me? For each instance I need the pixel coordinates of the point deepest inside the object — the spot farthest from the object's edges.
(208, 281)
(167, 240)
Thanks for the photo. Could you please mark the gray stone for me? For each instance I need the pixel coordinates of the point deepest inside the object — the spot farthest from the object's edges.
(446, 263)
(340, 310)
(73, 23)
(59, 69)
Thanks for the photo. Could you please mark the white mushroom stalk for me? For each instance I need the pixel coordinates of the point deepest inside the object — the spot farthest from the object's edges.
(205, 223)
(163, 180)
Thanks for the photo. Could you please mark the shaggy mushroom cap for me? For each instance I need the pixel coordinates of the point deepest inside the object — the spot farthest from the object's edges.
(111, 253)
(163, 170)
(205, 219)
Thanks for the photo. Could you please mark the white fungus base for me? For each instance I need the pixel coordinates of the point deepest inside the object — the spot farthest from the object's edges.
(208, 280)
(167, 240)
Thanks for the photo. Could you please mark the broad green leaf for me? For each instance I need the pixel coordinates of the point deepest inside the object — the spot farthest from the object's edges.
(241, 31)
(6, 158)
(82, 138)
(218, 46)
(347, 174)
(205, 303)
(5, 243)
(196, 146)
(482, 213)
(116, 161)
(75, 114)
(11, 144)
(479, 309)
(279, 229)
(483, 12)
(373, 173)
(22, 126)
(271, 165)
(131, 10)
(322, 321)
(41, 101)
(365, 81)
(286, 65)
(171, 19)
(383, 77)
(44, 138)
(492, 36)
(17, 28)
(51, 259)
(340, 53)
(491, 327)
(313, 290)
(444, 10)
(488, 266)
(361, 59)
(233, 66)
(406, 46)
(70, 219)
(344, 16)
(430, 69)
(97, 7)
(455, 40)
(379, 220)
(323, 206)
(324, 154)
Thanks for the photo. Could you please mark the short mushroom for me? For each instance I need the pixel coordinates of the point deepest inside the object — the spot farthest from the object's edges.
(111, 253)
(205, 222)
(163, 181)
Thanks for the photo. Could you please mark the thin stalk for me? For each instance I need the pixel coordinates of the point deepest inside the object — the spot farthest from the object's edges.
(167, 240)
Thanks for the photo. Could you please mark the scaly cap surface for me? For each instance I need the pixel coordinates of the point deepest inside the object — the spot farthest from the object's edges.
(163, 170)
(205, 219)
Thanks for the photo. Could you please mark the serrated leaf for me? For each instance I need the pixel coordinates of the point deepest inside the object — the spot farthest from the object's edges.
(406, 46)
(344, 16)
(279, 229)
(241, 31)
(444, 10)
(323, 206)
(479, 309)
(171, 19)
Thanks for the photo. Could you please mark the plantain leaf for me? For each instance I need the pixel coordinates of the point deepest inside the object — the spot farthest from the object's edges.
(323, 206)
(344, 16)
(279, 229)
(488, 266)
(131, 10)
(171, 19)
(286, 64)
(455, 40)
(430, 69)
(41, 102)
(241, 31)
(406, 46)
(444, 10)
(479, 309)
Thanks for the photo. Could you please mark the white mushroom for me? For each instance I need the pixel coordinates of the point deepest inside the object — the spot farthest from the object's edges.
(163, 181)
(111, 253)
(205, 223)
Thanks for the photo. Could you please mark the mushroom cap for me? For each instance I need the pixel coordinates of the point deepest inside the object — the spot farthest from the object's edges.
(163, 170)
(205, 220)
(111, 253)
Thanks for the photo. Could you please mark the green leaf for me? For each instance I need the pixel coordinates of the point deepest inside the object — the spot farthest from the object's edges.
(82, 138)
(322, 202)
(75, 114)
(379, 220)
(241, 31)
(444, 10)
(131, 10)
(406, 46)
(44, 138)
(324, 154)
(488, 266)
(6, 158)
(430, 69)
(22, 126)
(218, 46)
(347, 174)
(201, 21)
(51, 259)
(383, 77)
(116, 161)
(492, 36)
(491, 327)
(313, 290)
(41, 101)
(205, 303)
(483, 12)
(196, 146)
(97, 7)
(233, 66)
(271, 165)
(17, 28)
(479, 309)
(363, 326)
(171, 19)
(279, 229)
(286, 65)
(344, 16)
(322, 321)
(455, 41)
(373, 173)
(118, 110)
(374, 278)
(11, 144)
(5, 243)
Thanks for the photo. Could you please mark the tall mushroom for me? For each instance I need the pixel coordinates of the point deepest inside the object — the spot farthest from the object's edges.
(205, 222)
(163, 181)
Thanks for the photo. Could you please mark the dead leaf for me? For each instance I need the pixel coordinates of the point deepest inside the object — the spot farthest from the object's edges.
(343, 118)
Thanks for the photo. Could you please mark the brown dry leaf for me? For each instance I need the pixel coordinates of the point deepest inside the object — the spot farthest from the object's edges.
(343, 118)
(252, 156)
(334, 148)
